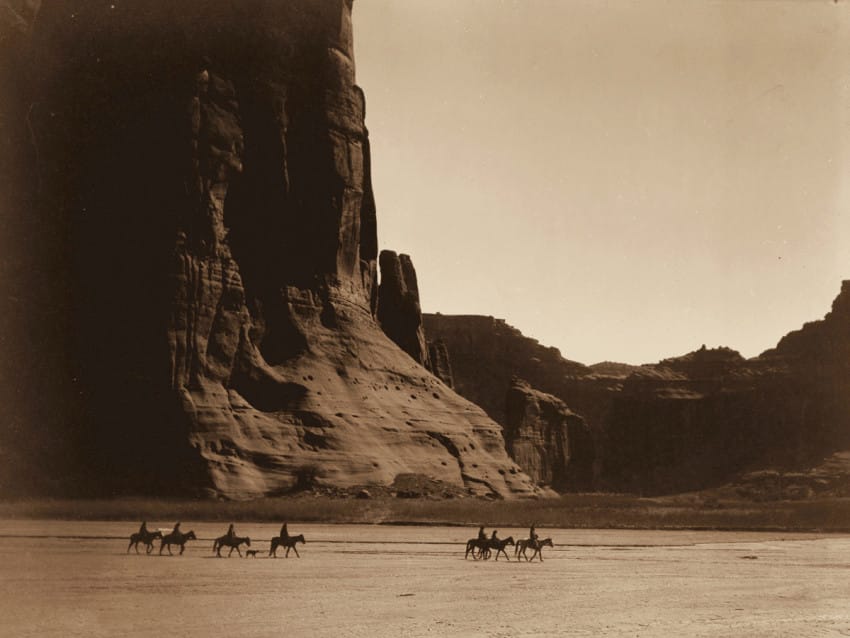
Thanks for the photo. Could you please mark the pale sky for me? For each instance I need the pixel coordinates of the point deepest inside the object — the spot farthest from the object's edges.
(622, 180)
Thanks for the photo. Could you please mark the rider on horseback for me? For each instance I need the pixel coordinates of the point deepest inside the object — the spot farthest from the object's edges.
(481, 535)
(143, 529)
(532, 536)
(176, 529)
(284, 533)
(231, 532)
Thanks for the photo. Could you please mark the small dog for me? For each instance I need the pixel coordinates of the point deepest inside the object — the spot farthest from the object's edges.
(251, 553)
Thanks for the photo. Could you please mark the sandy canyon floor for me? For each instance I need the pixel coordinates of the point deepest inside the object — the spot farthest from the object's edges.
(61, 578)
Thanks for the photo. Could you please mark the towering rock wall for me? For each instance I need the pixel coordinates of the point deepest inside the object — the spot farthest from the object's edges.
(199, 179)
(399, 312)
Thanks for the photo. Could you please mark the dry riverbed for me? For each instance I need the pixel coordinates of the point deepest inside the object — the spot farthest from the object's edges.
(60, 578)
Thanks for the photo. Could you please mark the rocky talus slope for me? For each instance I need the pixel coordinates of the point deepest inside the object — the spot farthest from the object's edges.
(205, 283)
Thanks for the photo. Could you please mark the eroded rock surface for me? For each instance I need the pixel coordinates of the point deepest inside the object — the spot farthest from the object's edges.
(200, 172)
(399, 312)
(553, 445)
(441, 364)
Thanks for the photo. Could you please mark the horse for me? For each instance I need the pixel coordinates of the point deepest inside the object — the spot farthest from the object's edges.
(481, 544)
(499, 545)
(286, 541)
(537, 546)
(176, 538)
(233, 542)
(143, 537)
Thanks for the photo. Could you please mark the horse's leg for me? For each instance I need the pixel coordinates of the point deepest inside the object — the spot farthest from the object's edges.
(237, 551)
(150, 548)
(130, 545)
(295, 549)
(182, 547)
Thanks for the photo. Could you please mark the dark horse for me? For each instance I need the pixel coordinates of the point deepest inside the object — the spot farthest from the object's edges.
(537, 546)
(480, 544)
(486, 545)
(143, 537)
(233, 542)
(176, 538)
(288, 542)
(499, 545)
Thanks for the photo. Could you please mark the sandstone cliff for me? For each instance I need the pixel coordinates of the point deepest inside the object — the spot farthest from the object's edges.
(486, 354)
(687, 422)
(399, 312)
(553, 445)
(198, 174)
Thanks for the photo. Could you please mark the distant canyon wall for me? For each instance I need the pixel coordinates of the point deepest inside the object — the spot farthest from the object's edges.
(684, 423)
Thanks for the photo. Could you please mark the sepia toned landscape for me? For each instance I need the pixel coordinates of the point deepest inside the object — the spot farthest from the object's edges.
(365, 580)
(206, 318)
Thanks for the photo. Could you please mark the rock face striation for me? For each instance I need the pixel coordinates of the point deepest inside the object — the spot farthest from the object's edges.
(399, 312)
(486, 354)
(554, 446)
(199, 176)
(684, 423)
(441, 364)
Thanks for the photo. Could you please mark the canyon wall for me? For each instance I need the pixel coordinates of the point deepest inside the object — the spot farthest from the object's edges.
(683, 423)
(553, 445)
(196, 248)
